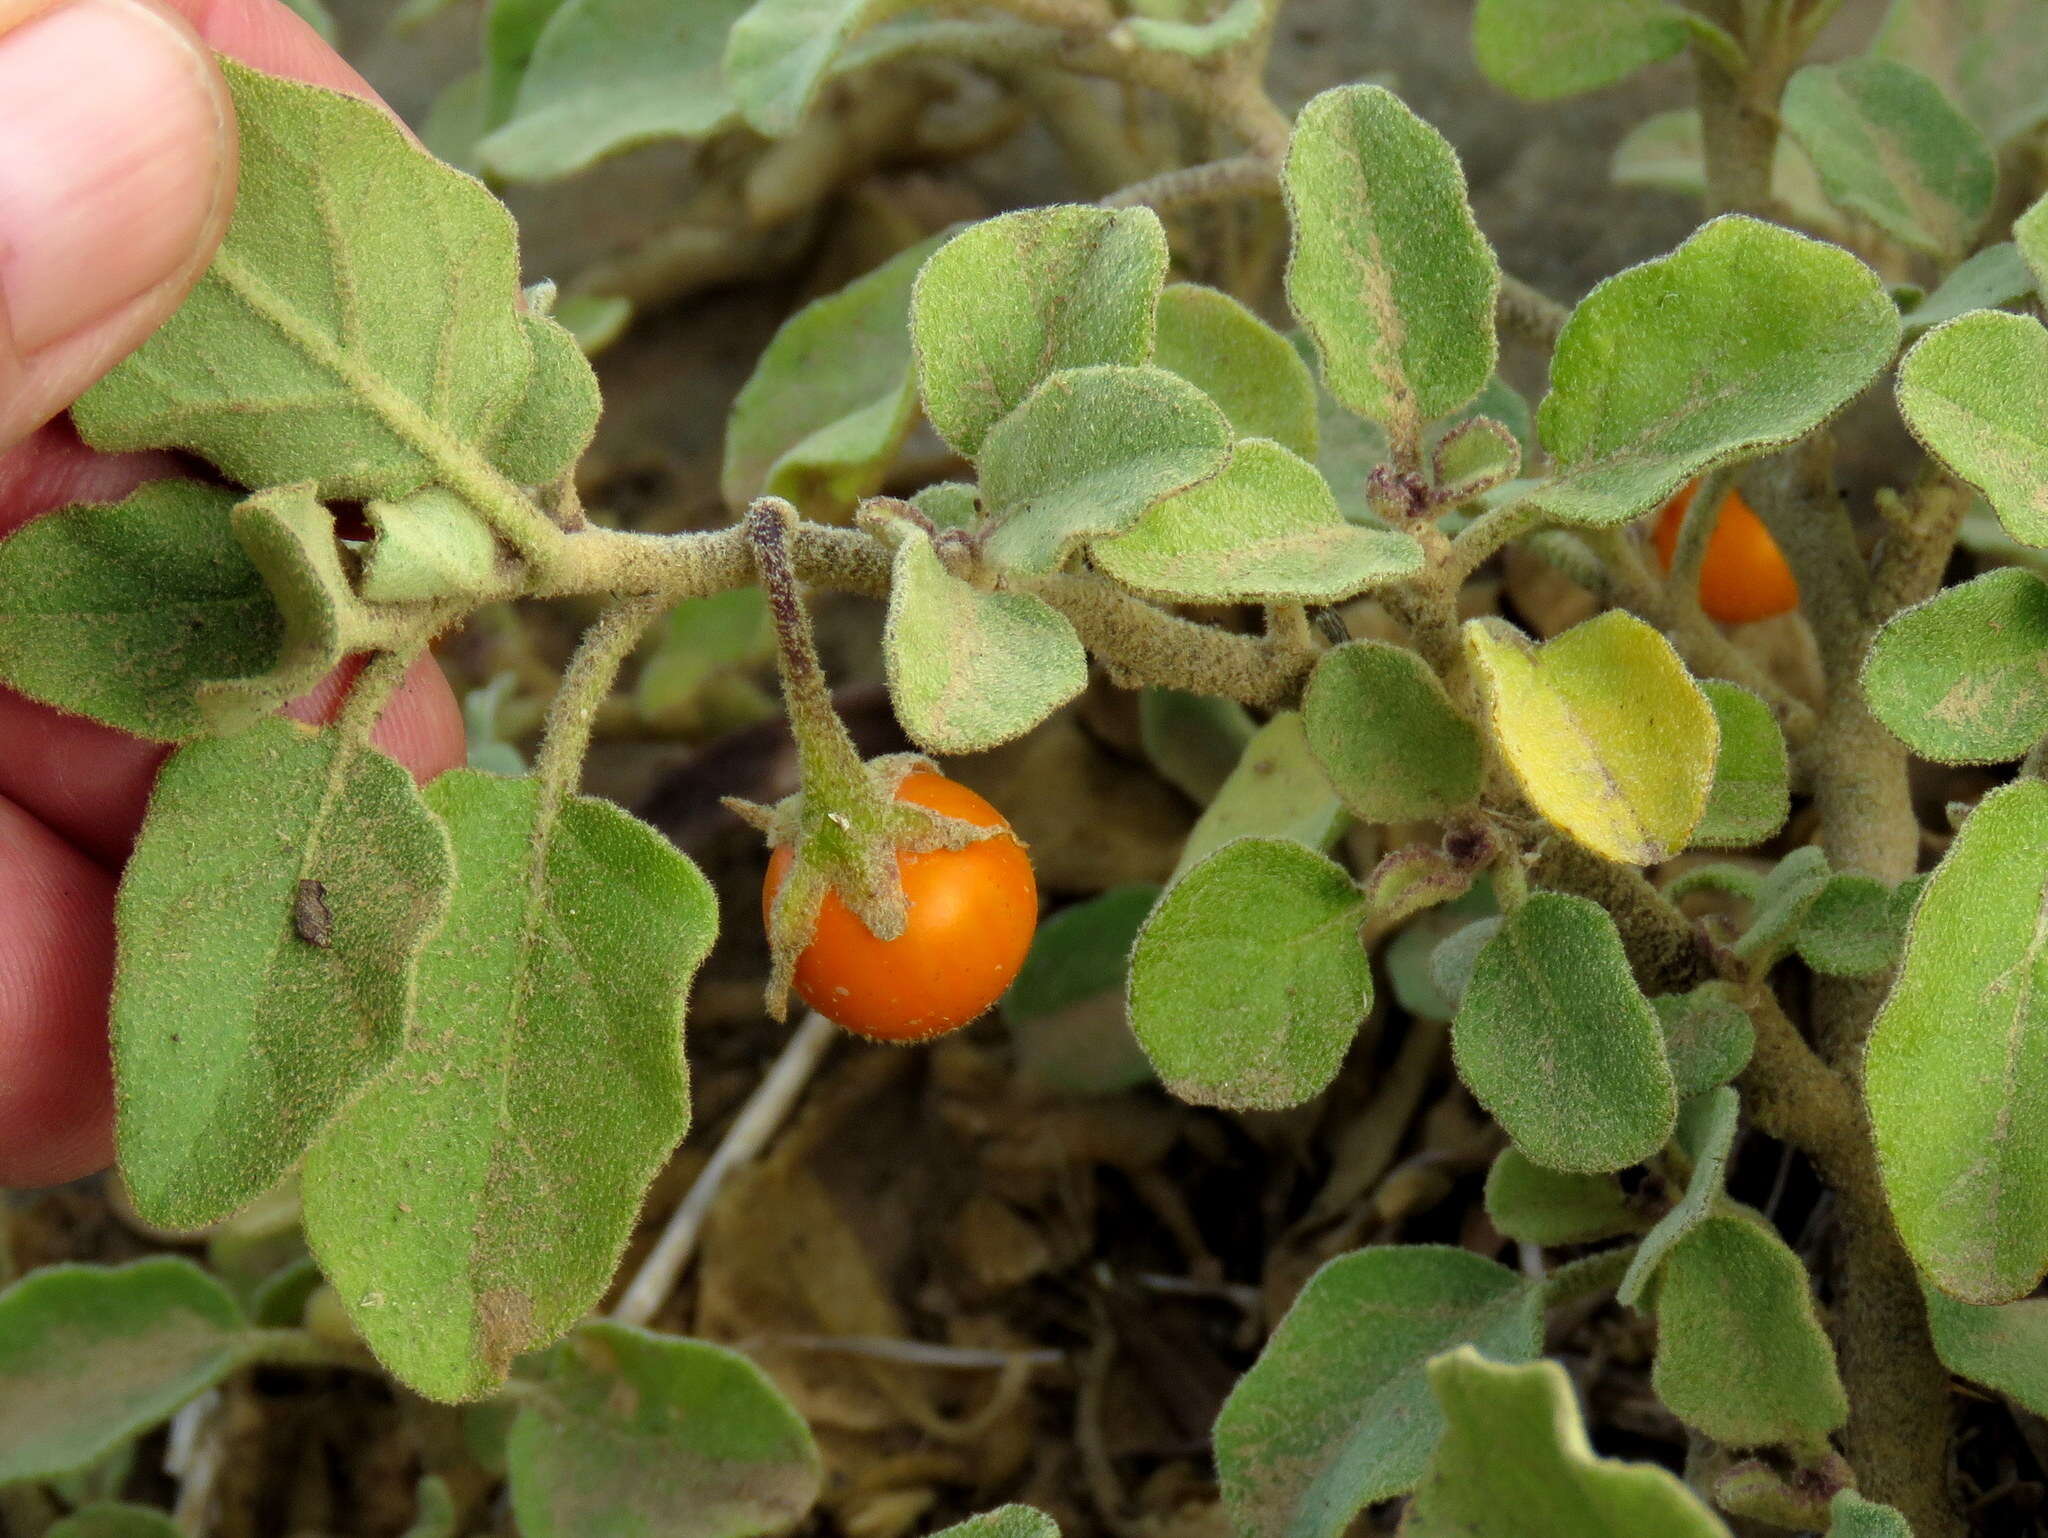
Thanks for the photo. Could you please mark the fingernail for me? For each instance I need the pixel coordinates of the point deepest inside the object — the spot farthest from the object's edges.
(114, 147)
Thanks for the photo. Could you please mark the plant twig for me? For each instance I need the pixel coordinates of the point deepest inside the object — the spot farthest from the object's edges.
(765, 1111)
(1213, 181)
(1524, 311)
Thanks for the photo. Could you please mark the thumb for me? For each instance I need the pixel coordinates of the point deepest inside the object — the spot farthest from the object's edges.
(117, 175)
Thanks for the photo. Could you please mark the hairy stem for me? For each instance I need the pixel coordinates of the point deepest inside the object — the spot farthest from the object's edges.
(573, 712)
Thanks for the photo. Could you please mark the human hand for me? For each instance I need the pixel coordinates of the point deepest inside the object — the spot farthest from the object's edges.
(117, 176)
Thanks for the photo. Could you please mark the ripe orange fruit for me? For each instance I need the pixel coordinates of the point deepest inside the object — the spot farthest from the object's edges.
(972, 913)
(1744, 576)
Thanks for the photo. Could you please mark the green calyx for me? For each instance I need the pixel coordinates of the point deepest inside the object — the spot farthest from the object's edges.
(845, 827)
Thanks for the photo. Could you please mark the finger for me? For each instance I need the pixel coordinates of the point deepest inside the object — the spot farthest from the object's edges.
(56, 967)
(90, 784)
(267, 35)
(117, 174)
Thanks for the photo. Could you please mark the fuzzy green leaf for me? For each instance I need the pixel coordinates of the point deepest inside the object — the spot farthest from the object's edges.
(1544, 49)
(1265, 530)
(1473, 458)
(1740, 1353)
(970, 669)
(1890, 148)
(2004, 1347)
(1086, 453)
(1534, 1205)
(1194, 741)
(114, 1520)
(554, 421)
(1241, 363)
(1975, 392)
(371, 355)
(1957, 1070)
(1854, 928)
(1276, 790)
(1336, 1413)
(778, 54)
(1559, 1045)
(1008, 302)
(1388, 735)
(1751, 795)
(120, 612)
(91, 1356)
(472, 1203)
(269, 923)
(512, 29)
(1514, 1463)
(1605, 730)
(831, 397)
(288, 537)
(1066, 1009)
(1984, 53)
(1963, 677)
(2030, 241)
(1855, 1517)
(1651, 384)
(1707, 1036)
(609, 74)
(638, 1435)
(1248, 980)
(428, 546)
(1004, 1522)
(1390, 274)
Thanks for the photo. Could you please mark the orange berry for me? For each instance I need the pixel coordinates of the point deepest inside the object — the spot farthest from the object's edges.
(1744, 576)
(972, 913)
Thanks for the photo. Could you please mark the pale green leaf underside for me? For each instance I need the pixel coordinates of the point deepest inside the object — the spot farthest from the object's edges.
(1957, 1068)
(1264, 530)
(371, 354)
(1994, 277)
(778, 53)
(1087, 453)
(1744, 338)
(1276, 790)
(1387, 734)
(121, 612)
(1984, 53)
(1558, 1044)
(1237, 22)
(634, 1434)
(1975, 392)
(236, 1036)
(970, 669)
(471, 1204)
(831, 396)
(1741, 1355)
(1009, 301)
(428, 546)
(1963, 678)
(1336, 1413)
(1706, 1134)
(1514, 1462)
(1389, 273)
(2003, 1347)
(90, 1356)
(1544, 49)
(1248, 981)
(610, 74)
(1889, 147)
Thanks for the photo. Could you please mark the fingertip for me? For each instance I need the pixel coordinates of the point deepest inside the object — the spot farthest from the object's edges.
(56, 972)
(421, 727)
